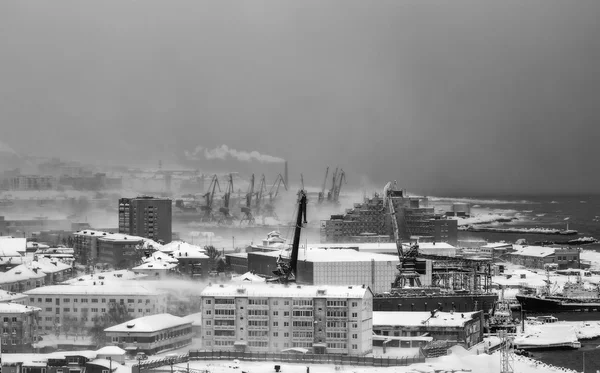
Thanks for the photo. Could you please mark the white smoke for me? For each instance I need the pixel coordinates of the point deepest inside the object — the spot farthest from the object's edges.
(224, 152)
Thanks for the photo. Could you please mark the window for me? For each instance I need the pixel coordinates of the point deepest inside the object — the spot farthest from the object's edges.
(275, 323)
(286, 313)
(209, 312)
(355, 347)
(94, 310)
(354, 315)
(275, 313)
(354, 336)
(66, 300)
(286, 323)
(275, 334)
(66, 309)
(94, 300)
(208, 322)
(354, 304)
(208, 301)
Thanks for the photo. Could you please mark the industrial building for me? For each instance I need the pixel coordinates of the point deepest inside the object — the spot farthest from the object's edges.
(80, 305)
(151, 334)
(148, 217)
(464, 328)
(542, 256)
(277, 317)
(339, 267)
(370, 222)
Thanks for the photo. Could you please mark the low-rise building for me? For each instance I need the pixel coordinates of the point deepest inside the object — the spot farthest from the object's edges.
(542, 256)
(55, 270)
(276, 317)
(152, 334)
(465, 328)
(22, 278)
(82, 304)
(120, 250)
(19, 327)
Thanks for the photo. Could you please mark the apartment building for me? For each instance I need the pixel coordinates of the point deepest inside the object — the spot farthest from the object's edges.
(19, 327)
(275, 317)
(22, 278)
(146, 217)
(82, 304)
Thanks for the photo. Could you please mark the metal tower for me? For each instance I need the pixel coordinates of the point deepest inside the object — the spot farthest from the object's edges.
(507, 356)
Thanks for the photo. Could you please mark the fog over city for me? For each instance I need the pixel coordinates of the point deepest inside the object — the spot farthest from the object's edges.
(448, 97)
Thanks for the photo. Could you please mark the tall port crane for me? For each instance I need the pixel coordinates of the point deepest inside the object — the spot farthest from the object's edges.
(333, 183)
(209, 198)
(226, 217)
(287, 270)
(273, 192)
(247, 210)
(322, 192)
(337, 188)
(407, 274)
(260, 194)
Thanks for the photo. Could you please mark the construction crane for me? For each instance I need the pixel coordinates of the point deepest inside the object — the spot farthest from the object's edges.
(407, 275)
(322, 192)
(247, 210)
(209, 198)
(333, 180)
(273, 192)
(226, 217)
(287, 270)
(260, 194)
(338, 187)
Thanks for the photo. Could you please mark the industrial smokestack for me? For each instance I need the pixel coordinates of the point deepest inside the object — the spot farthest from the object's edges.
(285, 175)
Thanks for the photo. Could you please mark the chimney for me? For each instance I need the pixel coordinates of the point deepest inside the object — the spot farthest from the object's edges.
(285, 175)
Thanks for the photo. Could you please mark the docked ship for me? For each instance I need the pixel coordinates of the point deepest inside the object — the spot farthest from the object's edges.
(574, 297)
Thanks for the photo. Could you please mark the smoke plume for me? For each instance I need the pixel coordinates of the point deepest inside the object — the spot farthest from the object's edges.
(224, 152)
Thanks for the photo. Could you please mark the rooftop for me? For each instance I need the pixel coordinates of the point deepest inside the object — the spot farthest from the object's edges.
(537, 251)
(10, 246)
(109, 288)
(157, 264)
(150, 323)
(16, 308)
(396, 318)
(257, 290)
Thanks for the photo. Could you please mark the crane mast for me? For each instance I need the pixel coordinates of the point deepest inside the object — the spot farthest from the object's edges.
(225, 215)
(287, 271)
(247, 210)
(209, 198)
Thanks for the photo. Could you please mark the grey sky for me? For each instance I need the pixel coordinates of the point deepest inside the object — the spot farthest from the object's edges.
(447, 97)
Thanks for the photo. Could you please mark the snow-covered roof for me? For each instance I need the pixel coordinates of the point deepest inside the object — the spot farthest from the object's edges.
(118, 275)
(256, 290)
(48, 265)
(435, 245)
(111, 350)
(37, 245)
(496, 245)
(160, 257)
(20, 273)
(120, 237)
(402, 318)
(8, 296)
(331, 255)
(156, 265)
(180, 246)
(16, 308)
(189, 253)
(537, 251)
(247, 277)
(91, 233)
(10, 246)
(150, 323)
(109, 288)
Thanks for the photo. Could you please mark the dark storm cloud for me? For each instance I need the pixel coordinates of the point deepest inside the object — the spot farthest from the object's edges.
(446, 97)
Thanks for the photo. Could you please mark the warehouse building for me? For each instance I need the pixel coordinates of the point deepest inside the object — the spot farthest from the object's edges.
(276, 317)
(339, 267)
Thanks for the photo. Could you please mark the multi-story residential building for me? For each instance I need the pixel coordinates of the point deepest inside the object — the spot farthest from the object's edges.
(370, 221)
(464, 328)
(55, 270)
(273, 318)
(120, 250)
(85, 245)
(31, 182)
(12, 297)
(81, 305)
(22, 278)
(152, 334)
(146, 217)
(19, 327)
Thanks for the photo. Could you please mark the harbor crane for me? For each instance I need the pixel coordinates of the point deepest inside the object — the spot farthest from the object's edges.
(247, 210)
(322, 192)
(333, 183)
(226, 217)
(273, 192)
(338, 187)
(286, 271)
(260, 194)
(209, 197)
(407, 274)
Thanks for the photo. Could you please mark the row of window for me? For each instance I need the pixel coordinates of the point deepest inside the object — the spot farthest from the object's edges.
(87, 300)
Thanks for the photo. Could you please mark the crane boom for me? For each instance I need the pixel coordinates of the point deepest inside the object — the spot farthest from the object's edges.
(322, 193)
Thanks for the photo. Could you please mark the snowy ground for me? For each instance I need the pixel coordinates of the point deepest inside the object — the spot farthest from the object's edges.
(460, 360)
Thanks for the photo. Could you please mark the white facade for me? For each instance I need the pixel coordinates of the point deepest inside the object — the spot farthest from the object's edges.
(82, 304)
(273, 318)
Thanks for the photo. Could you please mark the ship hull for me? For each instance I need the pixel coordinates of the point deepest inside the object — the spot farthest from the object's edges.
(537, 304)
(457, 302)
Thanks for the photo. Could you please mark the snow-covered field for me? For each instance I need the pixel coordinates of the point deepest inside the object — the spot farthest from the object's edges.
(460, 360)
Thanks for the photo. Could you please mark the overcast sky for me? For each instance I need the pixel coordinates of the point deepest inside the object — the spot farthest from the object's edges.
(447, 97)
